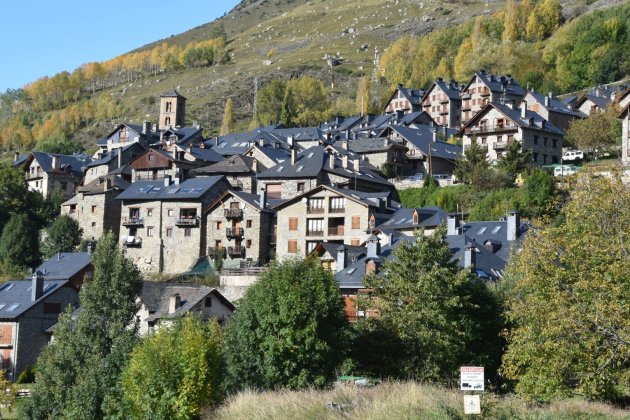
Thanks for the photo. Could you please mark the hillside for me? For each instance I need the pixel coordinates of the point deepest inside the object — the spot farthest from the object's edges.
(265, 39)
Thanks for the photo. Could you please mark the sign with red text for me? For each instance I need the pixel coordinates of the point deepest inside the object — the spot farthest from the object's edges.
(472, 378)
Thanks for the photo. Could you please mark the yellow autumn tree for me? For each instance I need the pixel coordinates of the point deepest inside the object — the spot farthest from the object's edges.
(227, 125)
(510, 22)
(363, 96)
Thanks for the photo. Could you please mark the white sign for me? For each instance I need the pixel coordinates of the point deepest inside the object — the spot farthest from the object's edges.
(472, 404)
(472, 378)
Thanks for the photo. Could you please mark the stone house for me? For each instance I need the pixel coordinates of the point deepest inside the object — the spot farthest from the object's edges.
(598, 99)
(162, 303)
(240, 171)
(484, 88)
(321, 166)
(551, 109)
(443, 103)
(328, 214)
(27, 309)
(624, 115)
(496, 126)
(408, 220)
(47, 172)
(267, 156)
(157, 164)
(380, 152)
(162, 227)
(107, 161)
(426, 152)
(239, 227)
(404, 99)
(95, 207)
(328, 254)
(71, 266)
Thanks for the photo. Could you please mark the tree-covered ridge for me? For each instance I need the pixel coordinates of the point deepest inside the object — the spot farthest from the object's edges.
(524, 40)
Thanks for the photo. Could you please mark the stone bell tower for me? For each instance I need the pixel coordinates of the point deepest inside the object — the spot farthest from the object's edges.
(172, 110)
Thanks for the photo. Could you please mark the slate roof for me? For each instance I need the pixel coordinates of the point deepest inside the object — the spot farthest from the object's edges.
(172, 94)
(487, 264)
(277, 155)
(238, 143)
(403, 218)
(234, 164)
(312, 161)
(451, 89)
(601, 101)
(533, 120)
(109, 156)
(354, 252)
(494, 231)
(76, 162)
(412, 95)
(372, 145)
(96, 186)
(15, 296)
(20, 160)
(498, 84)
(373, 199)
(64, 265)
(555, 105)
(421, 137)
(251, 199)
(189, 189)
(156, 296)
(202, 153)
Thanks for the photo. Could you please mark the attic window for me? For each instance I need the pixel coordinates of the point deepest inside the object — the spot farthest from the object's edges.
(299, 169)
(496, 230)
(2, 305)
(280, 168)
(13, 307)
(482, 230)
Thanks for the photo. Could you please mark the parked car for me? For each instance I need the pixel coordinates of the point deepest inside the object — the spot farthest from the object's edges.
(570, 155)
(565, 170)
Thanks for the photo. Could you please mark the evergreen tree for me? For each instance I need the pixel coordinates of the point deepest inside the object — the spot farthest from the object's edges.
(514, 160)
(19, 243)
(270, 102)
(78, 375)
(227, 126)
(443, 316)
(475, 160)
(288, 330)
(63, 236)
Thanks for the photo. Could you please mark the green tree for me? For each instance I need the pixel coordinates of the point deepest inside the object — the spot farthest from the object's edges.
(540, 196)
(305, 102)
(63, 236)
(14, 193)
(19, 243)
(515, 160)
(79, 374)
(474, 169)
(288, 330)
(58, 145)
(568, 300)
(269, 102)
(443, 315)
(227, 125)
(510, 22)
(599, 132)
(173, 373)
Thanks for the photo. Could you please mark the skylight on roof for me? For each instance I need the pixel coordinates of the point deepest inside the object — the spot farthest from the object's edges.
(482, 230)
(299, 168)
(352, 270)
(221, 145)
(496, 230)
(280, 168)
(2, 305)
(310, 155)
(13, 307)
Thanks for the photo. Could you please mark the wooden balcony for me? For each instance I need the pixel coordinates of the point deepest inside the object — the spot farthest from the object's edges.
(133, 221)
(491, 129)
(315, 233)
(236, 251)
(336, 231)
(315, 210)
(234, 232)
(187, 221)
(233, 213)
(337, 210)
(501, 145)
(212, 251)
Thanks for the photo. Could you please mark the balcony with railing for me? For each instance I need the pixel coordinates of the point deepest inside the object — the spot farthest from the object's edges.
(336, 230)
(236, 251)
(233, 213)
(133, 221)
(336, 210)
(213, 251)
(500, 145)
(315, 210)
(314, 233)
(234, 232)
(493, 128)
(187, 221)
(132, 242)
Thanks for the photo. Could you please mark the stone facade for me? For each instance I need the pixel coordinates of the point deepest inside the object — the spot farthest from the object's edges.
(625, 135)
(301, 227)
(478, 93)
(240, 229)
(47, 182)
(445, 111)
(95, 213)
(172, 110)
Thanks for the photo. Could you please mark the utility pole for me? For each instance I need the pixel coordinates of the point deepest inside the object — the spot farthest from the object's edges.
(255, 108)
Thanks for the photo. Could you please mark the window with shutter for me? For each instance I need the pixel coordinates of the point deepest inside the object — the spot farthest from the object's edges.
(356, 222)
(293, 223)
(292, 246)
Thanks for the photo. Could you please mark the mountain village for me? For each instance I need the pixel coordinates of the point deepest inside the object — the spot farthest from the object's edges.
(182, 205)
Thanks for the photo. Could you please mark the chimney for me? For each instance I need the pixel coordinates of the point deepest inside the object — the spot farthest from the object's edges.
(155, 127)
(400, 85)
(55, 163)
(255, 166)
(547, 101)
(400, 114)
(261, 142)
(16, 156)
(373, 247)
(119, 157)
(290, 140)
(146, 127)
(342, 258)
(524, 109)
(202, 145)
(445, 131)
(513, 225)
(385, 142)
(190, 146)
(347, 137)
(216, 141)
(344, 144)
(262, 197)
(331, 161)
(344, 161)
(174, 302)
(178, 177)
(37, 286)
(293, 155)
(452, 225)
(435, 135)
(107, 184)
(357, 164)
(470, 256)
(167, 180)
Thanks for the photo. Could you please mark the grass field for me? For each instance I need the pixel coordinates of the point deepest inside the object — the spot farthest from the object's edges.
(397, 401)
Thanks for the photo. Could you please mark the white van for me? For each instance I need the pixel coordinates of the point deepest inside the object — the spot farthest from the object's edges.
(565, 170)
(569, 155)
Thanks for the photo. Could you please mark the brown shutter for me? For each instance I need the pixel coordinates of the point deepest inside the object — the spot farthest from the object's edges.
(293, 223)
(356, 222)
(292, 248)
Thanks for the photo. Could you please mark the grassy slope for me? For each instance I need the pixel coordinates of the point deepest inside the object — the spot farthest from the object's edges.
(397, 401)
